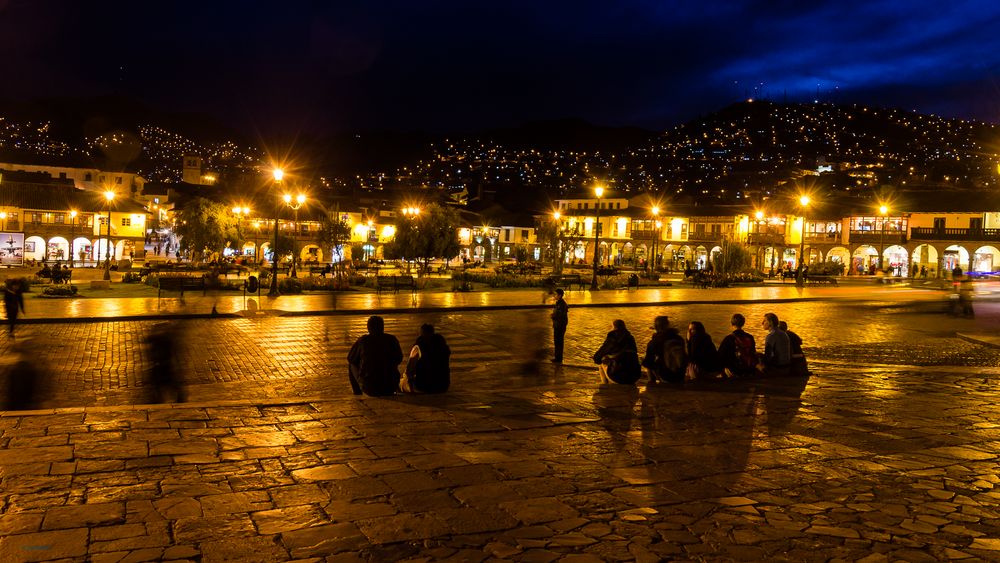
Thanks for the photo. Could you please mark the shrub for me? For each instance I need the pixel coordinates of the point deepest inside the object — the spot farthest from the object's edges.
(59, 291)
(131, 277)
(290, 285)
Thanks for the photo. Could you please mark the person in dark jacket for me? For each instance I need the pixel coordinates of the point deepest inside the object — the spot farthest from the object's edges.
(13, 302)
(799, 366)
(560, 320)
(373, 362)
(738, 350)
(666, 355)
(618, 357)
(701, 351)
(427, 370)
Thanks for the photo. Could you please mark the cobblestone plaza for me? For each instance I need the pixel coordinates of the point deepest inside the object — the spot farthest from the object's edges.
(888, 452)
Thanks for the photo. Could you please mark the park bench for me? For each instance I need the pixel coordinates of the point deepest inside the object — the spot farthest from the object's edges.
(568, 281)
(64, 276)
(180, 283)
(395, 283)
(320, 271)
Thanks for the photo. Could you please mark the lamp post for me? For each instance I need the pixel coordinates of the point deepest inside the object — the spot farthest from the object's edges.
(656, 222)
(557, 230)
(410, 212)
(72, 234)
(759, 216)
(109, 196)
(804, 203)
(295, 203)
(3, 220)
(598, 191)
(256, 247)
(883, 211)
(278, 174)
(369, 253)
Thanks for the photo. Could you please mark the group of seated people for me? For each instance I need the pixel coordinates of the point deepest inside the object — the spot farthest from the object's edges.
(373, 362)
(672, 359)
(57, 273)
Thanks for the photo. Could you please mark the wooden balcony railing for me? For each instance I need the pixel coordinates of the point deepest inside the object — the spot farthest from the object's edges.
(930, 233)
(877, 237)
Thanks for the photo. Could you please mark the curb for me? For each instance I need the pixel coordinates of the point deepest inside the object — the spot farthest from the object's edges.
(989, 342)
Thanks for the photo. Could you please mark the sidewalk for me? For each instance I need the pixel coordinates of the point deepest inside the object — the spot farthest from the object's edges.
(195, 305)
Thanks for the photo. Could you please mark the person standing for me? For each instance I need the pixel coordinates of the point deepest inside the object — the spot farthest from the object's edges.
(13, 302)
(560, 320)
(373, 362)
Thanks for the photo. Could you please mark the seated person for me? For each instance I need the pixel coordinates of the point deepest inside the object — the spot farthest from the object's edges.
(58, 274)
(45, 272)
(738, 350)
(618, 357)
(777, 357)
(373, 362)
(666, 356)
(703, 358)
(427, 370)
(799, 367)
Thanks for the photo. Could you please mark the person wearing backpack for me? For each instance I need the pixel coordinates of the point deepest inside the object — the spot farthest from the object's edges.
(666, 354)
(738, 350)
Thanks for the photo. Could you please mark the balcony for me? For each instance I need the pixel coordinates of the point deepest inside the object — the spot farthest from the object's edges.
(638, 234)
(710, 236)
(930, 233)
(876, 237)
(766, 239)
(819, 238)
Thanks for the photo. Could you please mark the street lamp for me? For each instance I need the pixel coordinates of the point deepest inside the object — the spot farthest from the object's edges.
(3, 220)
(109, 196)
(656, 213)
(278, 174)
(598, 191)
(295, 203)
(256, 247)
(72, 234)
(883, 211)
(557, 230)
(804, 203)
(759, 216)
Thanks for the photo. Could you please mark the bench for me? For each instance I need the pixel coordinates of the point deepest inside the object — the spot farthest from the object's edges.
(62, 277)
(320, 271)
(394, 283)
(180, 283)
(568, 281)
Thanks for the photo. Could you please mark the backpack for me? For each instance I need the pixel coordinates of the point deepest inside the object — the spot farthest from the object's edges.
(746, 353)
(675, 355)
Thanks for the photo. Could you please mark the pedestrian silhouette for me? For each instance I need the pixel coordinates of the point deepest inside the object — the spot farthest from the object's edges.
(164, 380)
(22, 389)
(13, 302)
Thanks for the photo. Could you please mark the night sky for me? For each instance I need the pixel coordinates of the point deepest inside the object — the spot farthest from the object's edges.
(466, 65)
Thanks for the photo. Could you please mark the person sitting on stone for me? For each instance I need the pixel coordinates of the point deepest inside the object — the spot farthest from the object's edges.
(799, 366)
(427, 370)
(777, 357)
(45, 272)
(618, 357)
(666, 356)
(703, 358)
(373, 361)
(738, 350)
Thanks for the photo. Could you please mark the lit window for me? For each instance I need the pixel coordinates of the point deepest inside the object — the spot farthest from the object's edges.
(126, 221)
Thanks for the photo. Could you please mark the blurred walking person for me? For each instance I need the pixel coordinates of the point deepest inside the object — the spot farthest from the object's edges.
(13, 302)
(164, 379)
(560, 320)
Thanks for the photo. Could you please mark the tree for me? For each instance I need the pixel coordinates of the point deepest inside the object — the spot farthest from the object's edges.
(206, 226)
(733, 258)
(334, 232)
(559, 242)
(431, 234)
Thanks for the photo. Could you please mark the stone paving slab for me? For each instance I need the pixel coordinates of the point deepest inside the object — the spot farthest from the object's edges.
(843, 466)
